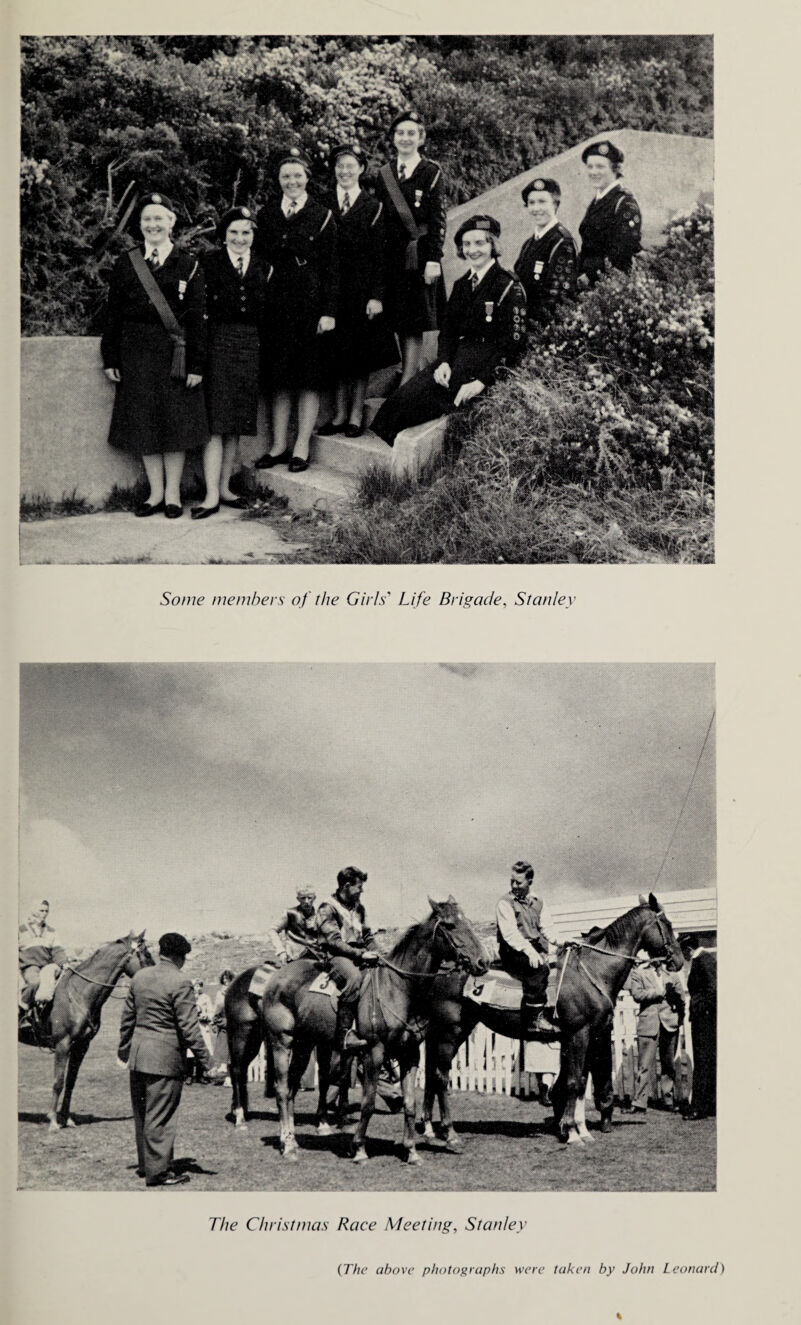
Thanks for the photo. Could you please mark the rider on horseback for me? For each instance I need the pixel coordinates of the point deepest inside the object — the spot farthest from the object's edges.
(345, 937)
(41, 958)
(523, 947)
(296, 935)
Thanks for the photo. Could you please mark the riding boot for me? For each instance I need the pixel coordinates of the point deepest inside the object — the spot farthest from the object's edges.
(536, 1018)
(347, 1039)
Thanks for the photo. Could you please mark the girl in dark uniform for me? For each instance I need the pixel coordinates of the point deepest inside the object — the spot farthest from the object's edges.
(155, 353)
(362, 340)
(236, 289)
(484, 327)
(413, 193)
(612, 224)
(547, 262)
(298, 238)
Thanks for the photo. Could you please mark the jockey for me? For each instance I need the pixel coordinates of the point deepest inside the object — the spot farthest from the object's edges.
(523, 945)
(345, 937)
(41, 958)
(295, 936)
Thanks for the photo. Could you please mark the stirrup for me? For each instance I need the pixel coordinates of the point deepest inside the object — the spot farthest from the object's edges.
(546, 1023)
(351, 1041)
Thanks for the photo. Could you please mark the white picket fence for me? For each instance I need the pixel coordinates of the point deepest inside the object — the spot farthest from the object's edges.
(493, 1064)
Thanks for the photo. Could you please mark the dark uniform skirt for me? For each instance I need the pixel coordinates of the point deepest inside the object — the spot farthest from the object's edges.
(153, 412)
(232, 378)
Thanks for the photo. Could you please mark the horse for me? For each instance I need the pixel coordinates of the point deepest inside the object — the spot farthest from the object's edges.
(591, 974)
(244, 1027)
(393, 995)
(74, 1018)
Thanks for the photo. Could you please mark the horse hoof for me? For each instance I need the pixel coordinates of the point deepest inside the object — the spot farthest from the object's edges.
(359, 1157)
(413, 1158)
(573, 1139)
(428, 1133)
(70, 1122)
(291, 1156)
(324, 1129)
(454, 1145)
(606, 1124)
(587, 1136)
(54, 1127)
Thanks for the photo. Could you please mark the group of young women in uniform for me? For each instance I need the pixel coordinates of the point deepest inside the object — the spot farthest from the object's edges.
(309, 296)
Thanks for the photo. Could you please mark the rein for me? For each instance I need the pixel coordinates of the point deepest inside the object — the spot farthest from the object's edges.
(577, 944)
(100, 983)
(422, 975)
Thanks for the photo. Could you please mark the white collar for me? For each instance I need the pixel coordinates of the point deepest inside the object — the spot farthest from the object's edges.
(164, 250)
(234, 258)
(603, 192)
(352, 194)
(298, 203)
(411, 163)
(481, 274)
(540, 234)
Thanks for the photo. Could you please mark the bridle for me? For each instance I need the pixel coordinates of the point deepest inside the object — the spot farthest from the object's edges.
(134, 951)
(459, 954)
(578, 944)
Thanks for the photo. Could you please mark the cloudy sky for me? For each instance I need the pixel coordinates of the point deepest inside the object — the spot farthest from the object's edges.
(199, 796)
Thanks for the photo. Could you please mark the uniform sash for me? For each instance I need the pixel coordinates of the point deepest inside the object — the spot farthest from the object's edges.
(169, 321)
(401, 206)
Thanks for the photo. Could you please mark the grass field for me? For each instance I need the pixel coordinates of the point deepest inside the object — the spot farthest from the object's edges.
(509, 1146)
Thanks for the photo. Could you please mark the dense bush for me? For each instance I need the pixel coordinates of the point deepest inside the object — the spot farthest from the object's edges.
(201, 116)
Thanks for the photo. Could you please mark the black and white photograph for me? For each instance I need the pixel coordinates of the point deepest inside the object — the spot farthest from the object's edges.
(371, 300)
(415, 927)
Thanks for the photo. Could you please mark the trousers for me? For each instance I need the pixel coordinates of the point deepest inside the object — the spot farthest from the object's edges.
(155, 1103)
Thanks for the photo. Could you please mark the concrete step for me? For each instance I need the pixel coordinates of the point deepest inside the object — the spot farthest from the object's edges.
(318, 487)
(350, 455)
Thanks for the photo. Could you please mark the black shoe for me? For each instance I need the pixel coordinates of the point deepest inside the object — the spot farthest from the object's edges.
(173, 512)
(170, 1180)
(353, 429)
(238, 503)
(297, 465)
(268, 461)
(203, 512)
(330, 429)
(144, 508)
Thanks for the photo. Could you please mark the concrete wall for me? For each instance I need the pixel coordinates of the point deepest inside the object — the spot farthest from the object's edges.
(66, 400)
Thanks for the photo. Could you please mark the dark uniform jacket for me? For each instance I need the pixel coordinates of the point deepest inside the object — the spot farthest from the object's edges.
(361, 344)
(483, 328)
(547, 268)
(702, 983)
(612, 229)
(424, 191)
(343, 931)
(180, 279)
(160, 1022)
(302, 249)
(229, 299)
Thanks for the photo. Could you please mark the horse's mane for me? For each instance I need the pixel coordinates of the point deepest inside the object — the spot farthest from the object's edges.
(78, 966)
(402, 945)
(618, 929)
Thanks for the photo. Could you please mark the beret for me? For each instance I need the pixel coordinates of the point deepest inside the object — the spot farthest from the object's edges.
(480, 222)
(346, 149)
(295, 157)
(157, 199)
(541, 185)
(402, 119)
(234, 214)
(604, 148)
(174, 945)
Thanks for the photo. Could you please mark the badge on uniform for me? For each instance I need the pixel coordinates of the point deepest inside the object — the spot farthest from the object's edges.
(181, 289)
(538, 269)
(418, 197)
(489, 309)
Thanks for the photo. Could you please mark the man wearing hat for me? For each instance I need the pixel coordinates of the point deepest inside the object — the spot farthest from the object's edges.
(295, 936)
(523, 946)
(159, 1022)
(548, 262)
(612, 225)
(484, 328)
(346, 938)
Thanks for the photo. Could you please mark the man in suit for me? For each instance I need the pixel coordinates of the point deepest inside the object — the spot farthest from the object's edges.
(660, 1000)
(159, 1022)
(484, 327)
(702, 986)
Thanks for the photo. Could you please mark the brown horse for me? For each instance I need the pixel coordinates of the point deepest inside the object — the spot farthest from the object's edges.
(590, 977)
(75, 1014)
(244, 1027)
(394, 995)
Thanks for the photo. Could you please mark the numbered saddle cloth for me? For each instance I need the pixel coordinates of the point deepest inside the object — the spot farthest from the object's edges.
(258, 981)
(498, 989)
(324, 984)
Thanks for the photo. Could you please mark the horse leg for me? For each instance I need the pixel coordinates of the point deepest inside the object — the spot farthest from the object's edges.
(60, 1061)
(372, 1066)
(408, 1063)
(574, 1056)
(439, 1057)
(600, 1066)
(323, 1082)
(76, 1057)
(243, 1045)
(282, 1058)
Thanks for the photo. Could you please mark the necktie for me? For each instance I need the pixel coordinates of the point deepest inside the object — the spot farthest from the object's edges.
(345, 203)
(291, 209)
(401, 171)
(240, 266)
(473, 281)
(153, 261)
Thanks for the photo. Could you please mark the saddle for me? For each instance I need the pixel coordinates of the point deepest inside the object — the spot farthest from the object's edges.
(504, 993)
(34, 1025)
(258, 981)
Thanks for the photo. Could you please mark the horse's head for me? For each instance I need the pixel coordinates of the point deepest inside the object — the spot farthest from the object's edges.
(657, 937)
(456, 938)
(139, 953)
